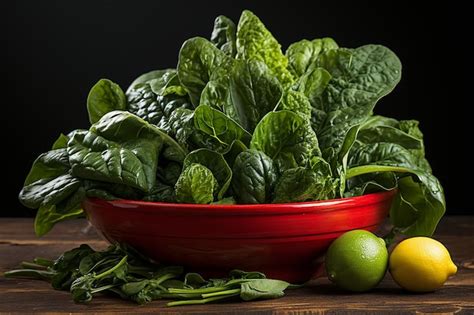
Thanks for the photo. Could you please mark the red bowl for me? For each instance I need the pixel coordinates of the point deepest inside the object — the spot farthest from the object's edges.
(284, 241)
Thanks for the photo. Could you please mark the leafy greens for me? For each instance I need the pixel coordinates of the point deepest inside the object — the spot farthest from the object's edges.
(241, 121)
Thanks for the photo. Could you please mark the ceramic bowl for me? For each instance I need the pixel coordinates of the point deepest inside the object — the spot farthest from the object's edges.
(284, 241)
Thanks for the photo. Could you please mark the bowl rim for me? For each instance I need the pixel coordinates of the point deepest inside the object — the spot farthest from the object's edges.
(245, 209)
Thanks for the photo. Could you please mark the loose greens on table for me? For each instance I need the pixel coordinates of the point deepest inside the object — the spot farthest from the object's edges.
(240, 121)
(122, 271)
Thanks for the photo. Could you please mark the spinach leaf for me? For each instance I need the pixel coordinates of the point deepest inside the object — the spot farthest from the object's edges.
(233, 151)
(161, 192)
(183, 128)
(219, 126)
(303, 184)
(420, 203)
(216, 163)
(48, 165)
(216, 94)
(302, 55)
(61, 142)
(105, 96)
(254, 41)
(224, 35)
(370, 183)
(96, 158)
(48, 215)
(196, 184)
(169, 173)
(198, 59)
(147, 77)
(287, 138)
(167, 84)
(121, 148)
(263, 289)
(360, 77)
(312, 84)
(122, 126)
(254, 92)
(155, 109)
(254, 176)
(391, 135)
(296, 102)
(49, 191)
(382, 129)
(181, 124)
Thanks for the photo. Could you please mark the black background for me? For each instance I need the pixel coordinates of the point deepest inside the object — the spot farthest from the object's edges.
(53, 51)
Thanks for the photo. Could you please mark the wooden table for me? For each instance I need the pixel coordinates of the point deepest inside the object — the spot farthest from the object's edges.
(18, 243)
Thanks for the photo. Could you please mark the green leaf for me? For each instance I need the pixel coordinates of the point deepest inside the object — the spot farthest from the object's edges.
(48, 215)
(181, 124)
(254, 176)
(196, 185)
(254, 92)
(302, 55)
(147, 77)
(184, 130)
(123, 126)
(198, 59)
(360, 77)
(389, 134)
(254, 41)
(155, 109)
(105, 96)
(295, 102)
(216, 163)
(216, 94)
(48, 191)
(48, 165)
(162, 193)
(61, 142)
(95, 158)
(370, 183)
(263, 289)
(312, 84)
(219, 126)
(420, 203)
(121, 148)
(303, 184)
(287, 138)
(169, 173)
(224, 35)
(167, 84)
(233, 151)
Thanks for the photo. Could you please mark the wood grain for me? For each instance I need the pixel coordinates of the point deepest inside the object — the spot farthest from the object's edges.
(17, 243)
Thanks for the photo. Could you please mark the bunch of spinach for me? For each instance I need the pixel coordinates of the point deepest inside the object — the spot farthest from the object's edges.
(239, 121)
(122, 271)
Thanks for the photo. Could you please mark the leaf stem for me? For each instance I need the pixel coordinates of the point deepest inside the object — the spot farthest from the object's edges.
(366, 169)
(220, 293)
(201, 301)
(111, 270)
(29, 273)
(30, 265)
(199, 291)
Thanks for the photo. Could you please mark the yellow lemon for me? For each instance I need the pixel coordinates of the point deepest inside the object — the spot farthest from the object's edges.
(421, 264)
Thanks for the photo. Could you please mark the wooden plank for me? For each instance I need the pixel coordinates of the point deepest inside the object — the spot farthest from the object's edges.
(17, 243)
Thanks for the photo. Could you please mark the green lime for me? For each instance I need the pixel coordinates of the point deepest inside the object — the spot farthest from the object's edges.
(357, 261)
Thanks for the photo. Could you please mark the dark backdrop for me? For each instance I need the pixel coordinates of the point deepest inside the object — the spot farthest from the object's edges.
(54, 51)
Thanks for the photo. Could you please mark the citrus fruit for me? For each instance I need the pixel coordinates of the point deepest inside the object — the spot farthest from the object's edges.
(357, 261)
(421, 264)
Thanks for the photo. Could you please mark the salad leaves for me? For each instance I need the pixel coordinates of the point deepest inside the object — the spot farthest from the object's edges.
(239, 120)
